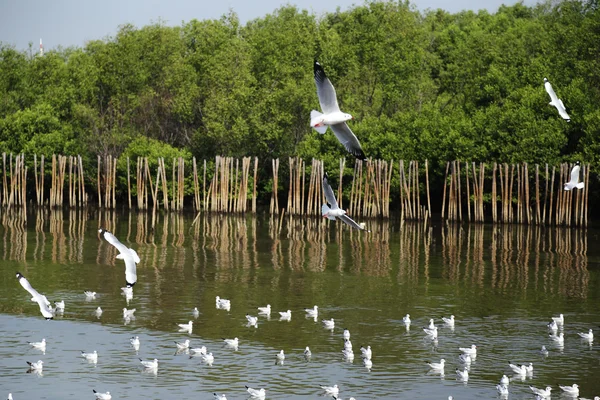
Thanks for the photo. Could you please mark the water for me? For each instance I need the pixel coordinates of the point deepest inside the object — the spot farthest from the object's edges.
(503, 284)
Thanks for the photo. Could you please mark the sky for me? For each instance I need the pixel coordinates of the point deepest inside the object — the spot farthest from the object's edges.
(74, 22)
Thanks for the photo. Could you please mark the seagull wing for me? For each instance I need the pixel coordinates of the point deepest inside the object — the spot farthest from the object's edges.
(550, 90)
(575, 174)
(110, 238)
(42, 301)
(325, 91)
(130, 271)
(346, 219)
(348, 139)
(329, 196)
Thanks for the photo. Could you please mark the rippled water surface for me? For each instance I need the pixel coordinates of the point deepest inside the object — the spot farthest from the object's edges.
(502, 284)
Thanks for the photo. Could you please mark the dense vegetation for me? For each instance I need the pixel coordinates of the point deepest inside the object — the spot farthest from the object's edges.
(431, 85)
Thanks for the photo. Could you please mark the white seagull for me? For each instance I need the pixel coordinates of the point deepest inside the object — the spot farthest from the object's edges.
(186, 327)
(560, 320)
(449, 321)
(559, 339)
(220, 396)
(587, 336)
(504, 381)
(42, 301)
(199, 350)
(285, 315)
(130, 256)
(128, 314)
(265, 310)
(431, 324)
(406, 319)
(256, 393)
(135, 341)
(544, 351)
(149, 364)
(91, 357)
(195, 312)
(347, 345)
(280, 356)
(543, 393)
(574, 182)
(521, 369)
(437, 366)
(307, 352)
(556, 102)
(98, 312)
(366, 352)
(348, 354)
(570, 390)
(465, 358)
(252, 321)
(346, 334)
(38, 366)
(39, 345)
(502, 390)
(312, 312)
(328, 323)
(102, 396)
(183, 346)
(553, 326)
(431, 333)
(208, 358)
(333, 210)
(232, 342)
(332, 116)
(10, 396)
(89, 295)
(368, 363)
(59, 306)
(463, 375)
(223, 304)
(472, 351)
(332, 390)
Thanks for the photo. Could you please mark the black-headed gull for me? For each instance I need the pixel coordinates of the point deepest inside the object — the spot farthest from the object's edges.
(252, 321)
(502, 390)
(231, 342)
(98, 312)
(102, 396)
(256, 393)
(307, 352)
(128, 314)
(368, 363)
(437, 366)
(220, 396)
(346, 334)
(89, 295)
(199, 350)
(91, 357)
(223, 304)
(265, 310)
(544, 351)
(348, 354)
(570, 390)
(149, 364)
(38, 366)
(431, 324)
(544, 393)
(431, 333)
(463, 375)
(559, 339)
(285, 315)
(135, 341)
(553, 326)
(587, 336)
(280, 357)
(312, 312)
(334, 211)
(208, 358)
(59, 306)
(186, 327)
(10, 396)
(42, 301)
(472, 351)
(555, 101)
(130, 256)
(504, 380)
(574, 182)
(521, 369)
(406, 319)
(347, 345)
(195, 312)
(328, 323)
(366, 352)
(560, 320)
(332, 116)
(39, 345)
(332, 390)
(449, 321)
(183, 345)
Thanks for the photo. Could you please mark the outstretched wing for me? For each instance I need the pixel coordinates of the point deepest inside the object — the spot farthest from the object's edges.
(130, 271)
(550, 90)
(575, 174)
(348, 139)
(346, 219)
(110, 238)
(325, 91)
(329, 196)
(42, 301)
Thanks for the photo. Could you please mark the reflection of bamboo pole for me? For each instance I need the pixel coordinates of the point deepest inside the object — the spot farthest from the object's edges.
(494, 195)
(427, 184)
(128, 185)
(254, 185)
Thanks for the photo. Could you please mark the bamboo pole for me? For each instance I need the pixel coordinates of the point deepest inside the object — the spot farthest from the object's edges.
(444, 195)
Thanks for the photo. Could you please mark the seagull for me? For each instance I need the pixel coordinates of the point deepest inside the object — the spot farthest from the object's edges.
(347, 345)
(42, 301)
(556, 102)
(366, 352)
(102, 396)
(195, 312)
(574, 182)
(37, 366)
(92, 357)
(328, 323)
(559, 339)
(223, 303)
(368, 363)
(346, 334)
(553, 326)
(463, 375)
(128, 314)
(348, 354)
(199, 350)
(587, 336)
(280, 356)
(307, 352)
(544, 351)
(256, 393)
(465, 358)
(10, 396)
(89, 295)
(128, 293)
(59, 306)
(406, 319)
(135, 341)
(431, 324)
(543, 393)
(183, 346)
(208, 358)
(332, 116)
(186, 327)
(570, 390)
(504, 381)
(332, 390)
(312, 312)
(521, 369)
(333, 210)
(220, 396)
(431, 333)
(437, 366)
(449, 321)
(502, 390)
(126, 254)
(265, 310)
(98, 312)
(472, 351)
(231, 342)
(39, 345)
(560, 320)
(285, 315)
(150, 364)
(252, 321)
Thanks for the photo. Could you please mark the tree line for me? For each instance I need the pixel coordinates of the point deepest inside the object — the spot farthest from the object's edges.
(421, 85)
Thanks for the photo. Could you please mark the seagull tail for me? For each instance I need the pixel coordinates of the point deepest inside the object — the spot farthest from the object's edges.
(579, 185)
(324, 210)
(315, 122)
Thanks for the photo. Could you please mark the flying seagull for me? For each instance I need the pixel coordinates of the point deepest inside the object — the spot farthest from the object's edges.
(332, 116)
(42, 301)
(556, 102)
(574, 182)
(334, 210)
(126, 254)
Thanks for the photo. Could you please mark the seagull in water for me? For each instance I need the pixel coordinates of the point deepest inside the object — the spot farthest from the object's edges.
(328, 323)
(312, 312)
(521, 369)
(437, 366)
(543, 393)
(89, 295)
(130, 256)
(91, 357)
(195, 312)
(332, 116)
(280, 357)
(183, 346)
(98, 312)
(587, 336)
(307, 352)
(231, 342)
(570, 390)
(135, 342)
(39, 345)
(265, 310)
(366, 352)
(406, 319)
(252, 321)
(544, 351)
(553, 326)
(186, 327)
(472, 351)
(208, 358)
(220, 396)
(560, 320)
(285, 315)
(574, 182)
(333, 210)
(256, 393)
(42, 301)
(449, 321)
(465, 358)
(332, 390)
(346, 334)
(223, 304)
(149, 364)
(199, 350)
(556, 102)
(463, 375)
(128, 314)
(102, 396)
(502, 390)
(37, 366)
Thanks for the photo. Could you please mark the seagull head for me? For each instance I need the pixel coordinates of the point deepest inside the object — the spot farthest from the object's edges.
(348, 117)
(545, 80)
